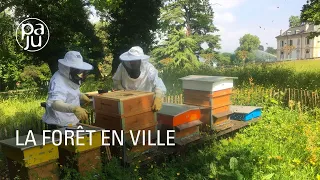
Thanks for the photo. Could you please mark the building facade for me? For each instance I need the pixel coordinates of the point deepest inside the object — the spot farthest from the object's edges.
(295, 44)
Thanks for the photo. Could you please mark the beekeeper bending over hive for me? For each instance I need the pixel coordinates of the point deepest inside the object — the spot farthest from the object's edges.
(63, 103)
(136, 73)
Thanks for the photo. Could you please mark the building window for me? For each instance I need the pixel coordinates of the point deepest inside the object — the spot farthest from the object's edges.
(308, 41)
(281, 44)
(291, 42)
(307, 51)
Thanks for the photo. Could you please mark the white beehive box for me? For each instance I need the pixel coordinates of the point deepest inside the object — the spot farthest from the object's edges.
(207, 83)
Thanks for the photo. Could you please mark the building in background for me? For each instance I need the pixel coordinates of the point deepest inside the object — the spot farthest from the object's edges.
(295, 44)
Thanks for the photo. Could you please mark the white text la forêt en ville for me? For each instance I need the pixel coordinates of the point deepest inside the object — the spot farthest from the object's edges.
(74, 138)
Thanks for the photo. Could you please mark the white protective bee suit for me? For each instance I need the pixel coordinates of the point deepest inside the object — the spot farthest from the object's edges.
(63, 103)
(146, 75)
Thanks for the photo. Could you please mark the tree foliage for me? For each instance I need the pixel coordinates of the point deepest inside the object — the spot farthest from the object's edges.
(12, 60)
(193, 15)
(69, 30)
(294, 21)
(310, 13)
(249, 43)
(132, 24)
(271, 50)
(176, 52)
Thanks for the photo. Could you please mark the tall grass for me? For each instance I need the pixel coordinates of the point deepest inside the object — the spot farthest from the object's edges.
(278, 76)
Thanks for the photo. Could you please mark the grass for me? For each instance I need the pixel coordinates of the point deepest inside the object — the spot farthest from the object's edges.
(285, 144)
(303, 65)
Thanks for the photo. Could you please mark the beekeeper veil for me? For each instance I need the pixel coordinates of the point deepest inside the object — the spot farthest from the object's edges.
(73, 67)
(134, 61)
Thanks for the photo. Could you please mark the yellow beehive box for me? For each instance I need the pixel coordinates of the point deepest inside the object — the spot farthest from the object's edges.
(81, 141)
(30, 154)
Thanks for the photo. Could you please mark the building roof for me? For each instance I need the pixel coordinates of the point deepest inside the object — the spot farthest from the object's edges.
(301, 30)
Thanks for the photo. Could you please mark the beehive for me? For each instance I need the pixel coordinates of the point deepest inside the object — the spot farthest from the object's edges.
(213, 94)
(183, 119)
(84, 157)
(126, 111)
(245, 113)
(31, 161)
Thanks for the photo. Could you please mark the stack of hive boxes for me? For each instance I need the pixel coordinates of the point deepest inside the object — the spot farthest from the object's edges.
(85, 156)
(127, 111)
(183, 119)
(213, 95)
(31, 161)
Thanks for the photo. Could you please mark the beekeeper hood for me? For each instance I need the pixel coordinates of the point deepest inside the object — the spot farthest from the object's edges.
(133, 61)
(73, 67)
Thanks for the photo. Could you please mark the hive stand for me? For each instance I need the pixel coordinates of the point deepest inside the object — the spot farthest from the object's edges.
(31, 161)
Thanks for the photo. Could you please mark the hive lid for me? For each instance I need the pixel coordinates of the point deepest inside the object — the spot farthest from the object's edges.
(76, 128)
(122, 95)
(243, 109)
(175, 109)
(206, 78)
(38, 139)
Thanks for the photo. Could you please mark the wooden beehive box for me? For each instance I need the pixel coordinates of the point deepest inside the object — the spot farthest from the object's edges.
(184, 119)
(208, 91)
(123, 103)
(245, 113)
(84, 157)
(31, 161)
(177, 114)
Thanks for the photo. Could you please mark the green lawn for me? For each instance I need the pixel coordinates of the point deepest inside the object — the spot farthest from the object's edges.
(303, 65)
(283, 145)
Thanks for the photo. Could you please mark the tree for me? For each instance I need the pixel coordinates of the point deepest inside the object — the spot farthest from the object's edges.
(294, 21)
(310, 13)
(132, 24)
(249, 43)
(193, 15)
(261, 48)
(69, 30)
(242, 55)
(177, 52)
(271, 50)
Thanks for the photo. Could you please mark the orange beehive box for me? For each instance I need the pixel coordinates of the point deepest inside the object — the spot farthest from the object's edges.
(177, 114)
(202, 98)
(135, 122)
(184, 133)
(123, 103)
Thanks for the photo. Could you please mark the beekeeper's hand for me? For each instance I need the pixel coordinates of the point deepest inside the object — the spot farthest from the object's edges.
(157, 104)
(86, 101)
(81, 113)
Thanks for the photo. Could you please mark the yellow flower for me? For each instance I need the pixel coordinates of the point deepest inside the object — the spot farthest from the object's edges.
(135, 169)
(178, 174)
(318, 177)
(140, 178)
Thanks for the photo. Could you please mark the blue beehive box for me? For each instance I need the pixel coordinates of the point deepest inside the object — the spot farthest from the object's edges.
(245, 113)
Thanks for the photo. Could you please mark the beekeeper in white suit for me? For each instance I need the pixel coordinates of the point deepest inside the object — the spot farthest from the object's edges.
(136, 73)
(63, 103)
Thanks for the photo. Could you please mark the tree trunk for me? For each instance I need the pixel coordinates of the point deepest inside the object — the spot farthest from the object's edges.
(115, 63)
(53, 64)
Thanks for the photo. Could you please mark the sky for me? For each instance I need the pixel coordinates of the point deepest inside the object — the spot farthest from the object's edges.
(235, 18)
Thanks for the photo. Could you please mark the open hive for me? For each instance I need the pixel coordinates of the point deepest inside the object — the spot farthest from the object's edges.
(85, 156)
(183, 119)
(31, 161)
(213, 95)
(127, 111)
